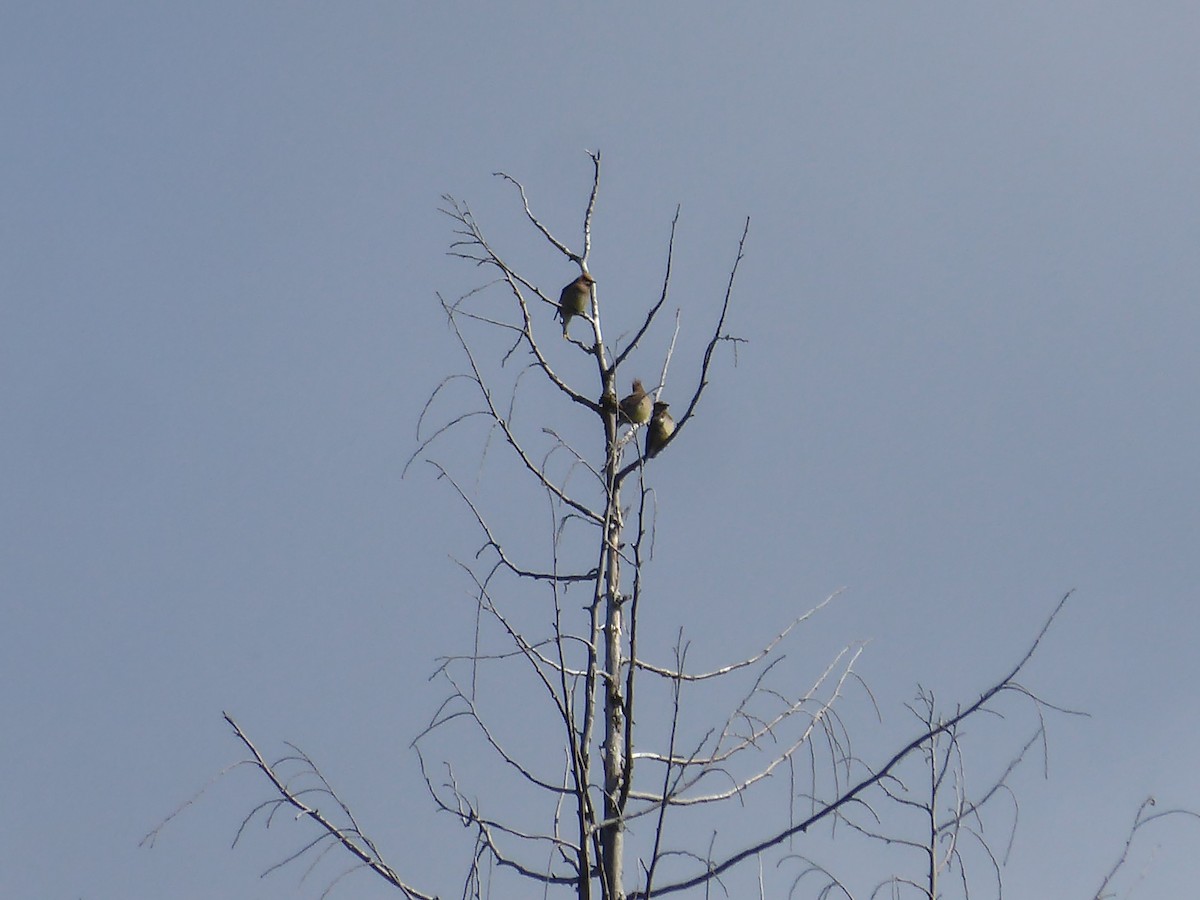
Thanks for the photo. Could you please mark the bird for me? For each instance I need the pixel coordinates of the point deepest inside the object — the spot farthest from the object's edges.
(662, 426)
(636, 408)
(574, 299)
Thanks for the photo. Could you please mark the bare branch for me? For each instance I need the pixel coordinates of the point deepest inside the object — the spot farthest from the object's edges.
(591, 207)
(768, 728)
(743, 663)
(486, 255)
(151, 836)
(512, 438)
(494, 543)
(487, 829)
(559, 245)
(1139, 821)
(352, 839)
(874, 778)
(662, 298)
(660, 825)
(718, 334)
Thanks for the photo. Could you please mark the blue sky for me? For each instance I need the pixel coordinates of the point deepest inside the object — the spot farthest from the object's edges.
(970, 304)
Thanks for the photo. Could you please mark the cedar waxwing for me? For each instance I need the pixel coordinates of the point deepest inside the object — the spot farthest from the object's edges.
(662, 426)
(636, 408)
(575, 299)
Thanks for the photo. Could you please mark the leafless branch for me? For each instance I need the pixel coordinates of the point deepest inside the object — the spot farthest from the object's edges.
(874, 778)
(743, 663)
(718, 334)
(487, 829)
(1140, 820)
(486, 255)
(660, 825)
(351, 838)
(662, 298)
(511, 438)
(151, 837)
(760, 729)
(494, 543)
(559, 245)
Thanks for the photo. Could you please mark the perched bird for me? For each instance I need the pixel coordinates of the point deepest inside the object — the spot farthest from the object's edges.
(662, 426)
(636, 408)
(575, 299)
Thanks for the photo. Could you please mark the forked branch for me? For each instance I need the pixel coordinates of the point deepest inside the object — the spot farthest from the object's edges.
(351, 837)
(1142, 819)
(876, 776)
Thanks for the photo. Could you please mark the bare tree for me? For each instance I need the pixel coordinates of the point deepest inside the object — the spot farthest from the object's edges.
(634, 756)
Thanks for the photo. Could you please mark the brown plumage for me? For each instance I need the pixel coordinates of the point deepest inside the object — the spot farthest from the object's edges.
(662, 426)
(575, 299)
(637, 407)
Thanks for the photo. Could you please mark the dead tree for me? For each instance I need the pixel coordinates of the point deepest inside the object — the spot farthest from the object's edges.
(628, 746)
(615, 774)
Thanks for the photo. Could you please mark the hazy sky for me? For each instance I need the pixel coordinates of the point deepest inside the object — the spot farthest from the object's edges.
(970, 305)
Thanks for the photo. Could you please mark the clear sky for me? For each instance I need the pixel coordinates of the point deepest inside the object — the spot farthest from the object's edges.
(970, 300)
